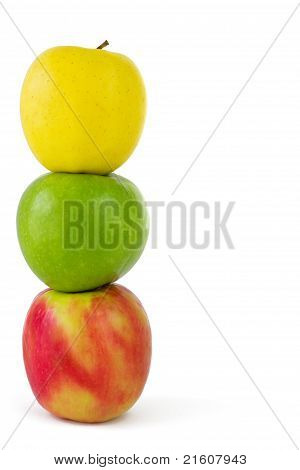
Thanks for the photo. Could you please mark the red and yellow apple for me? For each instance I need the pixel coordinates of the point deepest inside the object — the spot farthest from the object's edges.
(87, 355)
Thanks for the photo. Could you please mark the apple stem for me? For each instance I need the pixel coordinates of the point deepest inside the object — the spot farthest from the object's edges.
(104, 44)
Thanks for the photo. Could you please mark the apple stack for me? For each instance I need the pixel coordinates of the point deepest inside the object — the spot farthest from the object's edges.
(86, 342)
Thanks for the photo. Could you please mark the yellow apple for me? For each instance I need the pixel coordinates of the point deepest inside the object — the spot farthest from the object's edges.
(82, 110)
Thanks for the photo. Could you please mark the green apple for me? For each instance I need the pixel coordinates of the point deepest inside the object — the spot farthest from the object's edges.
(80, 231)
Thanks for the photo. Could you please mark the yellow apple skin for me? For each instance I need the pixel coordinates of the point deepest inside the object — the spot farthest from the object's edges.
(82, 110)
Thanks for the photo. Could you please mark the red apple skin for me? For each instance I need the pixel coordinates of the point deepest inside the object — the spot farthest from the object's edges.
(87, 355)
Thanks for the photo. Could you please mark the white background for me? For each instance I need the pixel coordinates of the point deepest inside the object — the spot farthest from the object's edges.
(195, 56)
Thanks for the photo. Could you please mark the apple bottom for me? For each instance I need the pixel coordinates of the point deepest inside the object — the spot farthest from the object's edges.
(87, 355)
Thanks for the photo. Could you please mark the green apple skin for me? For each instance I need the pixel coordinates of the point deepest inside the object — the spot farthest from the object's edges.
(42, 226)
